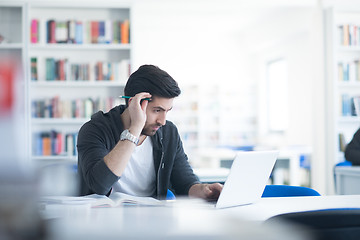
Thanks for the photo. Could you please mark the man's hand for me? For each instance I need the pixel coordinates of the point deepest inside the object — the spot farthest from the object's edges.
(137, 112)
(206, 191)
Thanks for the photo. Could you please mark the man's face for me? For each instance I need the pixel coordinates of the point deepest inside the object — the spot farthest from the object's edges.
(156, 112)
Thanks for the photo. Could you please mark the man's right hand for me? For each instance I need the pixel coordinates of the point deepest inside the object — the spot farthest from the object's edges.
(137, 112)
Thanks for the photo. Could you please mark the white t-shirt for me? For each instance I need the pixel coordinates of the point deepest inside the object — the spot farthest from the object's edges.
(138, 178)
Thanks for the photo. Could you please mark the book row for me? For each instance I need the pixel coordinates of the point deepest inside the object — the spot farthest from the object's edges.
(81, 32)
(65, 70)
(349, 35)
(76, 108)
(55, 143)
(350, 105)
(349, 71)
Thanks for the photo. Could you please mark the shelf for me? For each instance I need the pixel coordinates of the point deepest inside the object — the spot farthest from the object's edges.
(349, 84)
(70, 159)
(349, 119)
(70, 84)
(59, 121)
(66, 46)
(11, 45)
(349, 48)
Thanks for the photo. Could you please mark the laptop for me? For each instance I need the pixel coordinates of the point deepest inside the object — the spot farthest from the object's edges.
(247, 179)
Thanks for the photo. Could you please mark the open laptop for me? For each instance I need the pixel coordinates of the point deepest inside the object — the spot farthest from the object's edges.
(247, 179)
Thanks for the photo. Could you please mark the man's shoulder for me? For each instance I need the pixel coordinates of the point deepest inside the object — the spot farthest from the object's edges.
(169, 129)
(114, 112)
(169, 126)
(102, 119)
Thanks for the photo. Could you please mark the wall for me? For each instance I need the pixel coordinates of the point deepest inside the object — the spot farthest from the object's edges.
(211, 43)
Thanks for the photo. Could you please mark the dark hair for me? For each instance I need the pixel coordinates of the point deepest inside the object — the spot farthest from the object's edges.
(151, 79)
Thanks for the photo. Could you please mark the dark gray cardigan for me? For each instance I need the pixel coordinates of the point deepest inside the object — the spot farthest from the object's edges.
(99, 135)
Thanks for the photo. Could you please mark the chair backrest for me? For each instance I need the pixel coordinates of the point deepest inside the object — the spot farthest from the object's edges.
(343, 163)
(170, 195)
(329, 224)
(288, 191)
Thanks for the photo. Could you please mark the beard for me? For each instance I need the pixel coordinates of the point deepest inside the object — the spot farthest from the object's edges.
(150, 130)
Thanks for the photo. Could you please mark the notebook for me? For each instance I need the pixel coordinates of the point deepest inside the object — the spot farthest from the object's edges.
(247, 179)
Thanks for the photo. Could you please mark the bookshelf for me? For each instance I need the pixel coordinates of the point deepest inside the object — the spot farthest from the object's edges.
(12, 55)
(212, 116)
(342, 29)
(75, 60)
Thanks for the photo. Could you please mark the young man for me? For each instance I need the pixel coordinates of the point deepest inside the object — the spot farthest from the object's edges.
(133, 148)
(352, 151)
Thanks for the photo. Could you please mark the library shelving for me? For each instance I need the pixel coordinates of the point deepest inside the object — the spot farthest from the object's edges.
(79, 61)
(75, 60)
(342, 32)
(212, 116)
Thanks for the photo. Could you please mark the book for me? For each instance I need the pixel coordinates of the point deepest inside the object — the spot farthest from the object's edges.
(115, 199)
(101, 32)
(356, 103)
(71, 31)
(342, 142)
(125, 32)
(94, 31)
(33, 67)
(79, 36)
(34, 35)
(51, 31)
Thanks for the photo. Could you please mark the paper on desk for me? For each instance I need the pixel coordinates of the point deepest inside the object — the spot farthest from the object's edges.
(96, 200)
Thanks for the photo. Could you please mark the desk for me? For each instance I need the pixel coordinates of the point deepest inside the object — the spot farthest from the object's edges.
(189, 219)
(347, 180)
(146, 223)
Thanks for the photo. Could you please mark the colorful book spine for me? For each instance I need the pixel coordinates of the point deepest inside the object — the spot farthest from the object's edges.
(55, 143)
(33, 69)
(51, 28)
(79, 36)
(101, 32)
(94, 31)
(125, 32)
(79, 32)
(34, 31)
(76, 108)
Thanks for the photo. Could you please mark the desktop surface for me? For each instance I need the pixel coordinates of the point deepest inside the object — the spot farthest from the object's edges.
(181, 220)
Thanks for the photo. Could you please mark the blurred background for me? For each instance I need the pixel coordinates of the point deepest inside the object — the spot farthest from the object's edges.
(254, 75)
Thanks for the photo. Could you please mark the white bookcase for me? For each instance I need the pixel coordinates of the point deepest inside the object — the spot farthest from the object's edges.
(213, 116)
(342, 76)
(12, 52)
(76, 92)
(16, 19)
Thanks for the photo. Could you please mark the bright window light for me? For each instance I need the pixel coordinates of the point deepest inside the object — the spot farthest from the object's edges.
(277, 96)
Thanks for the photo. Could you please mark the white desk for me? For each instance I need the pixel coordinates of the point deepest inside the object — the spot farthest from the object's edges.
(347, 180)
(189, 220)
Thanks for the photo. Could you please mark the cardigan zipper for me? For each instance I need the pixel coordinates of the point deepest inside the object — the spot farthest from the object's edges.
(161, 166)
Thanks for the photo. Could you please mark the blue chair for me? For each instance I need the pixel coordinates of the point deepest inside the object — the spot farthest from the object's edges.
(170, 195)
(288, 191)
(343, 163)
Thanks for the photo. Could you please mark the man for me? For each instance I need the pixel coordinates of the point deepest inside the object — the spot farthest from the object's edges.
(352, 151)
(133, 148)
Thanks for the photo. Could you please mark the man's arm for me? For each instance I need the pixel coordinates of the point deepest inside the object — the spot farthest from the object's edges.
(134, 119)
(206, 191)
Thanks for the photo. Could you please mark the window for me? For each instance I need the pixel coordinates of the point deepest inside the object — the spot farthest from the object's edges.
(277, 96)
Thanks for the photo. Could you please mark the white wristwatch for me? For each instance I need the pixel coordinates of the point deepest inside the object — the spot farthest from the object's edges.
(126, 135)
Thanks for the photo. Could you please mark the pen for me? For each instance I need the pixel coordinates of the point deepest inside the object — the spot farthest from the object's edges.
(130, 97)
